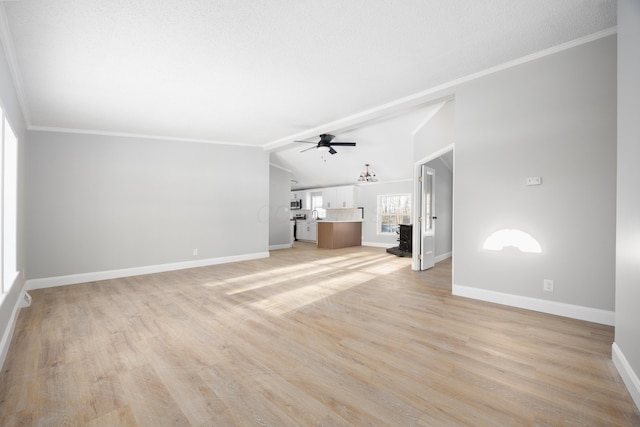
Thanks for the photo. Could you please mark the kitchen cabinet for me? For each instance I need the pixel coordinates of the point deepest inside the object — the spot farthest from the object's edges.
(339, 197)
(329, 198)
(345, 197)
(307, 229)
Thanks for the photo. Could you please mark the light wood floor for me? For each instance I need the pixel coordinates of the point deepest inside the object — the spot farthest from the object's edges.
(345, 337)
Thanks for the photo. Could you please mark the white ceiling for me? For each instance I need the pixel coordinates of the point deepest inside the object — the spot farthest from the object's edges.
(387, 144)
(263, 72)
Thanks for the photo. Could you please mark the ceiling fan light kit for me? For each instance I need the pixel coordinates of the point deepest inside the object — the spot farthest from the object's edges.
(325, 144)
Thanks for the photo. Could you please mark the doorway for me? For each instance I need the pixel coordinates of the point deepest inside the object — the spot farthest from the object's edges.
(433, 209)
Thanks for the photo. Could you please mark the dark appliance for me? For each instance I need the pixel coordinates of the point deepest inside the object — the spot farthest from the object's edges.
(295, 224)
(405, 237)
(296, 204)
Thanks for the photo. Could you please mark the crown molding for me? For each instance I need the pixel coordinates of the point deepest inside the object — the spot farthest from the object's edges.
(440, 93)
(429, 116)
(280, 167)
(135, 135)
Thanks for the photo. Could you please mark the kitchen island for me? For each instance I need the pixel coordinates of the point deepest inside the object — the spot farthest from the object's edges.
(339, 234)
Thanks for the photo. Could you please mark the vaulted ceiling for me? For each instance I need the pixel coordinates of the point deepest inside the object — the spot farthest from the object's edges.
(257, 72)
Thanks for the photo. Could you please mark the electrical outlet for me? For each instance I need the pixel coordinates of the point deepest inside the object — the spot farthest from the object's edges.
(547, 285)
(195, 252)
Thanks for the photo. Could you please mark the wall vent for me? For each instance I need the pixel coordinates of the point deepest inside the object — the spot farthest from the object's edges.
(26, 300)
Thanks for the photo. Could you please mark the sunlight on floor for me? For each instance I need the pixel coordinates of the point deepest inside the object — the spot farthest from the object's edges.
(313, 280)
(267, 273)
(347, 260)
(258, 277)
(271, 277)
(376, 266)
(294, 299)
(254, 281)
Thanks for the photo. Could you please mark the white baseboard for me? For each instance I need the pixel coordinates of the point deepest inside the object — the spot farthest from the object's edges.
(72, 279)
(626, 372)
(277, 247)
(7, 334)
(7, 304)
(589, 314)
(442, 257)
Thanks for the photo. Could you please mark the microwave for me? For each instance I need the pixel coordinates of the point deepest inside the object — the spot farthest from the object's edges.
(296, 204)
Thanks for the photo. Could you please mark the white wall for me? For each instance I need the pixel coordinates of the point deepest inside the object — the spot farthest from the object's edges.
(554, 117)
(9, 302)
(626, 350)
(279, 200)
(114, 204)
(437, 132)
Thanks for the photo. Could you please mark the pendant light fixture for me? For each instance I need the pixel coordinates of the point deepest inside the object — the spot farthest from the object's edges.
(368, 176)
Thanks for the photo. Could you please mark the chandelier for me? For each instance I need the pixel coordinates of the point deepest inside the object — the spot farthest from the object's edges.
(368, 176)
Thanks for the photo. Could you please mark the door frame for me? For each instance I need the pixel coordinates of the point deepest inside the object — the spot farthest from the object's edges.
(427, 248)
(417, 203)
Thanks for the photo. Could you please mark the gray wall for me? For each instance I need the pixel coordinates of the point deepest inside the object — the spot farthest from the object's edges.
(554, 117)
(10, 301)
(437, 133)
(100, 203)
(443, 198)
(627, 337)
(368, 199)
(279, 200)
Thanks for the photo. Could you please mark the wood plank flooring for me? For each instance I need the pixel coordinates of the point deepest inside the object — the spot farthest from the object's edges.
(347, 337)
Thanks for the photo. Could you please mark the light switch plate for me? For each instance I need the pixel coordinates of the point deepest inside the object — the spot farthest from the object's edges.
(534, 180)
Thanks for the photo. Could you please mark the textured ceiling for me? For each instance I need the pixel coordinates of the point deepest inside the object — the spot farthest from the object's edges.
(257, 72)
(267, 72)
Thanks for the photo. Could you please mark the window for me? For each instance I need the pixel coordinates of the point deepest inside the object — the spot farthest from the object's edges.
(9, 184)
(316, 204)
(393, 209)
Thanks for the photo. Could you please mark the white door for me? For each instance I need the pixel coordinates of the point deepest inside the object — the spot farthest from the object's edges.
(427, 223)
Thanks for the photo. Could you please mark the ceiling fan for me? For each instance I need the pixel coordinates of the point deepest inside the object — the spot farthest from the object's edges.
(325, 144)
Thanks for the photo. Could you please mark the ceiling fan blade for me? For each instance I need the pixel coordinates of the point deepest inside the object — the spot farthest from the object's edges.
(326, 137)
(308, 142)
(307, 149)
(332, 151)
(345, 144)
